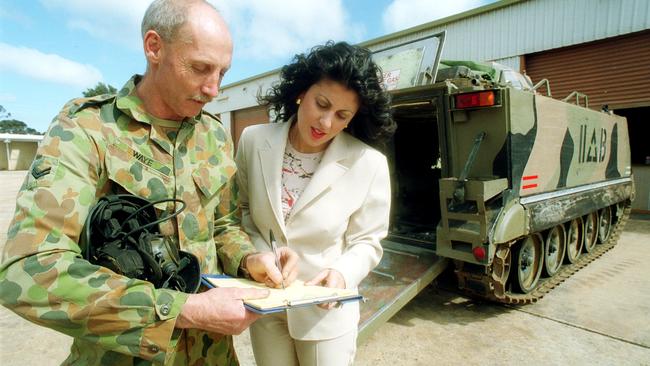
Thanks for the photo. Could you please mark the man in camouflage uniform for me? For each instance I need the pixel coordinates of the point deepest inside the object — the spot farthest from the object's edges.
(151, 140)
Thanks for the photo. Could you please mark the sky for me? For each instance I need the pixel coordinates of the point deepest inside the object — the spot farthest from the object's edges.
(53, 50)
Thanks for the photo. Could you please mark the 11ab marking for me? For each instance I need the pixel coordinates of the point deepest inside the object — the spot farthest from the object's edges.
(594, 151)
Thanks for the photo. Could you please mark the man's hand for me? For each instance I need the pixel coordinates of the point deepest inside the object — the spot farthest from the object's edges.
(328, 278)
(262, 268)
(219, 310)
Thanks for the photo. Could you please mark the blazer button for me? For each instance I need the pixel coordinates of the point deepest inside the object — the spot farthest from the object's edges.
(154, 348)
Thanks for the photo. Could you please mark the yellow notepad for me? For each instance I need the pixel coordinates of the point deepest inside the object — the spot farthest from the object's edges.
(295, 295)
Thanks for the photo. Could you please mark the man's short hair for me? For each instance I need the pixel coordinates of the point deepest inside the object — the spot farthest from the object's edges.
(166, 17)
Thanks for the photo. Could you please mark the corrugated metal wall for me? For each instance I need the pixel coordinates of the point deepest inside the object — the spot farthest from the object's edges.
(502, 31)
(242, 94)
(615, 71)
(531, 26)
(512, 62)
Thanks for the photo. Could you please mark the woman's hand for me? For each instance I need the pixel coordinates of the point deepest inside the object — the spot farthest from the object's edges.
(262, 268)
(328, 278)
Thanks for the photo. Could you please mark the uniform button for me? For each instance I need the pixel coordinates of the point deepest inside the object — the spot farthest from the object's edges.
(153, 348)
(164, 310)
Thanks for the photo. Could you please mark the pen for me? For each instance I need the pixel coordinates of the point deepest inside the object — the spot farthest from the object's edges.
(275, 253)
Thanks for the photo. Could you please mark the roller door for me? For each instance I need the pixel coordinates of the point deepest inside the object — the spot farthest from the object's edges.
(614, 71)
(246, 117)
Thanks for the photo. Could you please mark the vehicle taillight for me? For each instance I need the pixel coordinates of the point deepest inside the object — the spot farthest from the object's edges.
(473, 100)
(479, 253)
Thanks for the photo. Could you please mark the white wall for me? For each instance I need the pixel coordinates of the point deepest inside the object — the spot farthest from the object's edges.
(240, 95)
(21, 154)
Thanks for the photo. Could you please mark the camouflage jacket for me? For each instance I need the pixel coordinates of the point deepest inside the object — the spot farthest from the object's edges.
(109, 144)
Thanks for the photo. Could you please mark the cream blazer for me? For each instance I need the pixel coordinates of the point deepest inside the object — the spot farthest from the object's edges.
(336, 223)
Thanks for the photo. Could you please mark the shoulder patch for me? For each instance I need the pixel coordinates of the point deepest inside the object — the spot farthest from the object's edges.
(43, 171)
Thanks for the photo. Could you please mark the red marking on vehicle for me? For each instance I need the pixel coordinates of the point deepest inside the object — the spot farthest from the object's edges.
(529, 177)
(528, 186)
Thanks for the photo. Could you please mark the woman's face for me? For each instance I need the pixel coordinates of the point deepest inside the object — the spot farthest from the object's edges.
(325, 109)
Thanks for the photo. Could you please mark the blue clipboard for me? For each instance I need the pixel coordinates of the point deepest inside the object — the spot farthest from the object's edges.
(289, 304)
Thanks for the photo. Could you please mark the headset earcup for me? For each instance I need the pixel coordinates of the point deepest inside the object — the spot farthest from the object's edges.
(191, 273)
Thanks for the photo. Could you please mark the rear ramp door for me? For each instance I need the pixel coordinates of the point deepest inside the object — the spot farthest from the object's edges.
(403, 272)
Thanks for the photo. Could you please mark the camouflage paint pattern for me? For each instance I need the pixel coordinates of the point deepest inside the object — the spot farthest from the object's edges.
(540, 146)
(576, 146)
(529, 135)
(109, 144)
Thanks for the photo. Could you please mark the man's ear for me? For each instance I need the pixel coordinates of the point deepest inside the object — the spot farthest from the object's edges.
(152, 44)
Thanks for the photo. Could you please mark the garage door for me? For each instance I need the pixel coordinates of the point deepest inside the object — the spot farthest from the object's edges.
(614, 71)
(246, 117)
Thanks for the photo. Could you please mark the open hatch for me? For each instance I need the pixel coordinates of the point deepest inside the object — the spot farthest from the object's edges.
(409, 262)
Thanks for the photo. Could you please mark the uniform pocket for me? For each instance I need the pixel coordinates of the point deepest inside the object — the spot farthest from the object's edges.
(209, 181)
(128, 169)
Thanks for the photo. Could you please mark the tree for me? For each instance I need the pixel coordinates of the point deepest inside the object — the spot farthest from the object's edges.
(18, 127)
(3, 113)
(99, 89)
(13, 125)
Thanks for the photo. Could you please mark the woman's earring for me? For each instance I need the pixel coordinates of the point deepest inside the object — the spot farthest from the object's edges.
(298, 101)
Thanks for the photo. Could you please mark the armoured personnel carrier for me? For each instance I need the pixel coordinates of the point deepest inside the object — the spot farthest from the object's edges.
(522, 189)
(513, 188)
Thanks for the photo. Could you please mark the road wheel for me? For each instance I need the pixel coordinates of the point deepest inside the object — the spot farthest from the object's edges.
(554, 249)
(529, 259)
(574, 240)
(604, 224)
(591, 231)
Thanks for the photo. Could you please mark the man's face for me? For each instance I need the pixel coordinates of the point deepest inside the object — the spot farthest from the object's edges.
(191, 68)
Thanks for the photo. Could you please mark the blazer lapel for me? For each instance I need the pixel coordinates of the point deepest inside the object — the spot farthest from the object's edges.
(331, 167)
(271, 155)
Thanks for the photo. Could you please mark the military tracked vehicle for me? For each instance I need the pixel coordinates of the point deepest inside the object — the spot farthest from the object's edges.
(491, 175)
(520, 187)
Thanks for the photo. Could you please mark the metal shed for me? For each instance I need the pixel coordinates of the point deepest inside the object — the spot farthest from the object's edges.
(598, 47)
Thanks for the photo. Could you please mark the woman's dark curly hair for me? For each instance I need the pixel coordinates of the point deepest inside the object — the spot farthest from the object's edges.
(353, 67)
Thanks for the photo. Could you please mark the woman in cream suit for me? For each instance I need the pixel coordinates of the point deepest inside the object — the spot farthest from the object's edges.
(316, 182)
